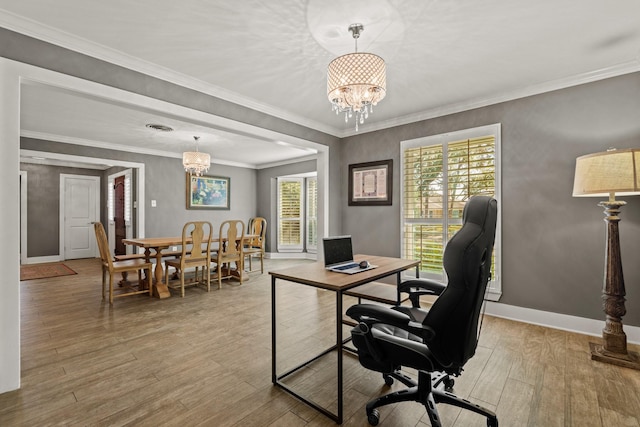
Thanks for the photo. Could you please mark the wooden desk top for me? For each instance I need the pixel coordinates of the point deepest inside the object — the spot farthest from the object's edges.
(317, 275)
(162, 242)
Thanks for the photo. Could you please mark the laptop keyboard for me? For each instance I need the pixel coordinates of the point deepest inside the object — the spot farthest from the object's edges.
(346, 266)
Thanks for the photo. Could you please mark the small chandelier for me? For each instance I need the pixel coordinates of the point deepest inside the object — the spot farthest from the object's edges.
(196, 162)
(356, 82)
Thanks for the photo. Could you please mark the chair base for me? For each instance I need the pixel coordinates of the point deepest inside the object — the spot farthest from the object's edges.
(429, 390)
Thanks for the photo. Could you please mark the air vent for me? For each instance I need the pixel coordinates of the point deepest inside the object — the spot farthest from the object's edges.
(161, 128)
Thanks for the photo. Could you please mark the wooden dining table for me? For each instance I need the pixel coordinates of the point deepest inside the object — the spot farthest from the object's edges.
(159, 244)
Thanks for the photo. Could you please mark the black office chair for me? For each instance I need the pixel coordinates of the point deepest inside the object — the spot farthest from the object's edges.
(437, 342)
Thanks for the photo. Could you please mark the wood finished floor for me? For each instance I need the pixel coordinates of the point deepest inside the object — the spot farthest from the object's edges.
(206, 360)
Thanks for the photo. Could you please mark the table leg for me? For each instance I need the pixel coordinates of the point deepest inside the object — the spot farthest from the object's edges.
(339, 350)
(159, 288)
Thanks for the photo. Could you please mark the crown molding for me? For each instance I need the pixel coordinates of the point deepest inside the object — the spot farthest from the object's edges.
(287, 162)
(126, 148)
(69, 41)
(588, 77)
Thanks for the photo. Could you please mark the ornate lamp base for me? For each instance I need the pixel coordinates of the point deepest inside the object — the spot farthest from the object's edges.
(630, 359)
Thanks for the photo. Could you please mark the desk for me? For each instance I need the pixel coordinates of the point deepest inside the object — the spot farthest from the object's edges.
(158, 244)
(317, 276)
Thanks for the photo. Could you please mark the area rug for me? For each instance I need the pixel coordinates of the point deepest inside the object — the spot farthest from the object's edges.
(43, 271)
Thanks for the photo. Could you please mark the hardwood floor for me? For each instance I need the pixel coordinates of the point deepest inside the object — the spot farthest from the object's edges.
(206, 360)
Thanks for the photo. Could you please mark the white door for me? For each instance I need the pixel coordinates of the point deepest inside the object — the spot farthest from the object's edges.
(81, 209)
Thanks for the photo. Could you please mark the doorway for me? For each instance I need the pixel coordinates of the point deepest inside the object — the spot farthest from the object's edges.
(119, 211)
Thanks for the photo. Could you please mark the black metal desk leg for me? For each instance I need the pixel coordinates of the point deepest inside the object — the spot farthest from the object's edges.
(339, 350)
(273, 330)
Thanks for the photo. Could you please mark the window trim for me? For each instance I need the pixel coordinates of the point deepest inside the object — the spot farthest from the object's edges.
(310, 246)
(494, 290)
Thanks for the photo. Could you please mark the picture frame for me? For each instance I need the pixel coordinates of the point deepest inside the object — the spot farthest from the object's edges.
(371, 183)
(208, 192)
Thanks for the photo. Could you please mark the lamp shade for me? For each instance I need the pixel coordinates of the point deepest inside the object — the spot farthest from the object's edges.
(612, 171)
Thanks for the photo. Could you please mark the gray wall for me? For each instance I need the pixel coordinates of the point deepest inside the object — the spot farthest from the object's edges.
(166, 183)
(553, 244)
(43, 206)
(41, 54)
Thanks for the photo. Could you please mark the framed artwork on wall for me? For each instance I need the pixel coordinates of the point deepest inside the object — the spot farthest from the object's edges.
(370, 184)
(208, 192)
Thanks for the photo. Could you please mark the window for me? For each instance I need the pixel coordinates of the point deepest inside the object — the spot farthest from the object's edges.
(290, 208)
(297, 214)
(439, 173)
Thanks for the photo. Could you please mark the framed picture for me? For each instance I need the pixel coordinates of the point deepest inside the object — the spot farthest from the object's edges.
(208, 192)
(371, 183)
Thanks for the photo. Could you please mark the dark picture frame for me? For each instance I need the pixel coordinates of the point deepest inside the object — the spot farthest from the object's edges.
(208, 192)
(371, 183)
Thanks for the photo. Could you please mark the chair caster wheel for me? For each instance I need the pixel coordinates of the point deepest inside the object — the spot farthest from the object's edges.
(374, 417)
(388, 379)
(448, 385)
(492, 422)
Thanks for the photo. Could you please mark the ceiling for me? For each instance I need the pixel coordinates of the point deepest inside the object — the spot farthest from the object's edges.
(441, 57)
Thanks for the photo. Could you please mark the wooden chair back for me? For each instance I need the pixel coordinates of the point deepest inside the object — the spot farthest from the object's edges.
(232, 231)
(196, 241)
(103, 244)
(257, 226)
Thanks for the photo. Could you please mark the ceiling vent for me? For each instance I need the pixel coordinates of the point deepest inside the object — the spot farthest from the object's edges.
(161, 128)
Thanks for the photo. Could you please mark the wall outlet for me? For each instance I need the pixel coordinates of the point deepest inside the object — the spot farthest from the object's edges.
(153, 204)
(174, 248)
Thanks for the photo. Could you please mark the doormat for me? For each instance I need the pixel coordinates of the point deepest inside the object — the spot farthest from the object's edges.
(43, 271)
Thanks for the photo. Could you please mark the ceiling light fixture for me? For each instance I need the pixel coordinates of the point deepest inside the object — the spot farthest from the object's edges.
(195, 162)
(356, 82)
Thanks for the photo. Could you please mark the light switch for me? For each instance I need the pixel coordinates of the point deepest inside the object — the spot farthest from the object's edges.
(153, 203)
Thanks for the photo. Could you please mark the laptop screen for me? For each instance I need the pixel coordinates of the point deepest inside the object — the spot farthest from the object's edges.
(337, 250)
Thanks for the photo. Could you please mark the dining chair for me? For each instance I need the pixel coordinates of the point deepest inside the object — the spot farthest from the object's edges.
(229, 250)
(255, 246)
(113, 267)
(196, 252)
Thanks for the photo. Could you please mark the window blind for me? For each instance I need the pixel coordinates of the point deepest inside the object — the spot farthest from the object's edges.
(439, 175)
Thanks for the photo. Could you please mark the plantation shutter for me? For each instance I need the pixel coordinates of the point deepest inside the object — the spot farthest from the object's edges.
(290, 208)
(440, 174)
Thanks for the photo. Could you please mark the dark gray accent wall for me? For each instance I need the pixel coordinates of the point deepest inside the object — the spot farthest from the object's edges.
(165, 182)
(43, 206)
(553, 244)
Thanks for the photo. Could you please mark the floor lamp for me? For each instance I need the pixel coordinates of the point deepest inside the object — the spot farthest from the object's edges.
(611, 173)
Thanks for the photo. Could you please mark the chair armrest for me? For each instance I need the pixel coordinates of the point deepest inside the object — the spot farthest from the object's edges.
(418, 287)
(377, 314)
(369, 314)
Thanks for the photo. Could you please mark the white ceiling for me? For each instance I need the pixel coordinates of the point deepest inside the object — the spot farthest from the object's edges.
(442, 57)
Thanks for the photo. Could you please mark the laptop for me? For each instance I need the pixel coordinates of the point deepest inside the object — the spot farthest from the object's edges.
(338, 255)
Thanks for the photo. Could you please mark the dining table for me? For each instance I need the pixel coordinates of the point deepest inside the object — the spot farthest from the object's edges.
(160, 244)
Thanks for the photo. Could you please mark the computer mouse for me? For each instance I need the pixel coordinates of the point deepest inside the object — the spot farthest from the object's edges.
(364, 264)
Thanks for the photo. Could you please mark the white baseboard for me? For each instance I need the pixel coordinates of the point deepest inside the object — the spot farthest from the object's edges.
(291, 255)
(41, 259)
(557, 321)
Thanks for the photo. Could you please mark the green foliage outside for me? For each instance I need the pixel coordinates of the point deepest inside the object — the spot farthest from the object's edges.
(439, 180)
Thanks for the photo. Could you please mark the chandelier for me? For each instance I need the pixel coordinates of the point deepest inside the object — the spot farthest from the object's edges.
(196, 162)
(356, 82)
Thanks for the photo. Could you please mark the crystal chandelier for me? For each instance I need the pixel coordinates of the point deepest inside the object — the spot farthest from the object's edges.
(196, 162)
(356, 82)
